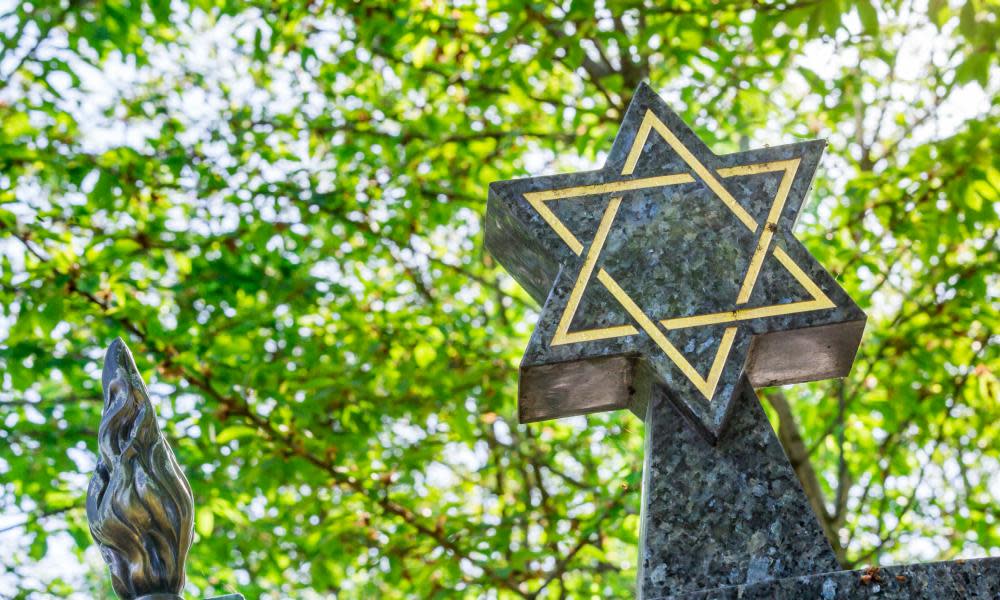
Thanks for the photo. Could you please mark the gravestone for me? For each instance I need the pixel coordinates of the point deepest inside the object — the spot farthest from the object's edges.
(671, 285)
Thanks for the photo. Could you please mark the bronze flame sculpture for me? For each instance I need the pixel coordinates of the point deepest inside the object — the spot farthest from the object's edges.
(139, 503)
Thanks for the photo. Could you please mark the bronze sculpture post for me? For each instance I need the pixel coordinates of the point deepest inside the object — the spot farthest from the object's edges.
(139, 504)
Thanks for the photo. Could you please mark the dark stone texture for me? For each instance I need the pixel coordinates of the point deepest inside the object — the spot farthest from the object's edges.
(729, 514)
(976, 579)
(677, 250)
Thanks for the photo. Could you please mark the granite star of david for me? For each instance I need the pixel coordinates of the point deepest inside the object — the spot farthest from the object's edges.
(670, 266)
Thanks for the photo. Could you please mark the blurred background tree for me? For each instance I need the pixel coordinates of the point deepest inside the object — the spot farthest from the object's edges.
(278, 205)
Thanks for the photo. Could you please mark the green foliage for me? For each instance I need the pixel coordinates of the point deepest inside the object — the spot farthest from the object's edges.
(278, 206)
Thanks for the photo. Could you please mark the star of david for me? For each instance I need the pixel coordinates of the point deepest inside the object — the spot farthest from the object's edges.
(671, 268)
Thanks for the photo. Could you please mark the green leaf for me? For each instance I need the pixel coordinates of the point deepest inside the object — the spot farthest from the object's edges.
(234, 432)
(967, 19)
(204, 522)
(424, 354)
(868, 15)
(976, 67)
(938, 12)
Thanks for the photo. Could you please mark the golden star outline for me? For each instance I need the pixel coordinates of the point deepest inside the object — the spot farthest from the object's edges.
(649, 324)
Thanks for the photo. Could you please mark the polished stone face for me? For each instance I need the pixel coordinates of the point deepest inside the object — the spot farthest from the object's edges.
(670, 267)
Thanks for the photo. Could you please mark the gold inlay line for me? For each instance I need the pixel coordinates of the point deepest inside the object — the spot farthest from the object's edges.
(701, 170)
(538, 200)
(742, 314)
(638, 143)
(720, 361)
(653, 331)
(561, 230)
(819, 301)
(622, 185)
(764, 241)
(573, 302)
(705, 385)
(754, 169)
(814, 290)
(593, 335)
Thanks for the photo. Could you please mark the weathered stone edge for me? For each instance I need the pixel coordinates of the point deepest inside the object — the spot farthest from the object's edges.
(966, 579)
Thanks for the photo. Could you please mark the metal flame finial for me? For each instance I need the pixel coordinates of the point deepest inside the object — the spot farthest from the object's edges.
(139, 503)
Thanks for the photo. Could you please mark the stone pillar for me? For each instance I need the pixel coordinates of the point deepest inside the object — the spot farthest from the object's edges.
(726, 514)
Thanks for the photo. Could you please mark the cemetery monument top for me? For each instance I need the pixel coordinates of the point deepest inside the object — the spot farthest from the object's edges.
(671, 284)
(669, 266)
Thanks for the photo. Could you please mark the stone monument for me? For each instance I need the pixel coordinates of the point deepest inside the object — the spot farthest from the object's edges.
(671, 285)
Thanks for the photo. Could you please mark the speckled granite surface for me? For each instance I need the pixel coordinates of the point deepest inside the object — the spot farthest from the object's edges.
(729, 514)
(680, 252)
(976, 579)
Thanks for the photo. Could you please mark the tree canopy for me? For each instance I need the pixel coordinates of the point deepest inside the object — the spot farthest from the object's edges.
(278, 205)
